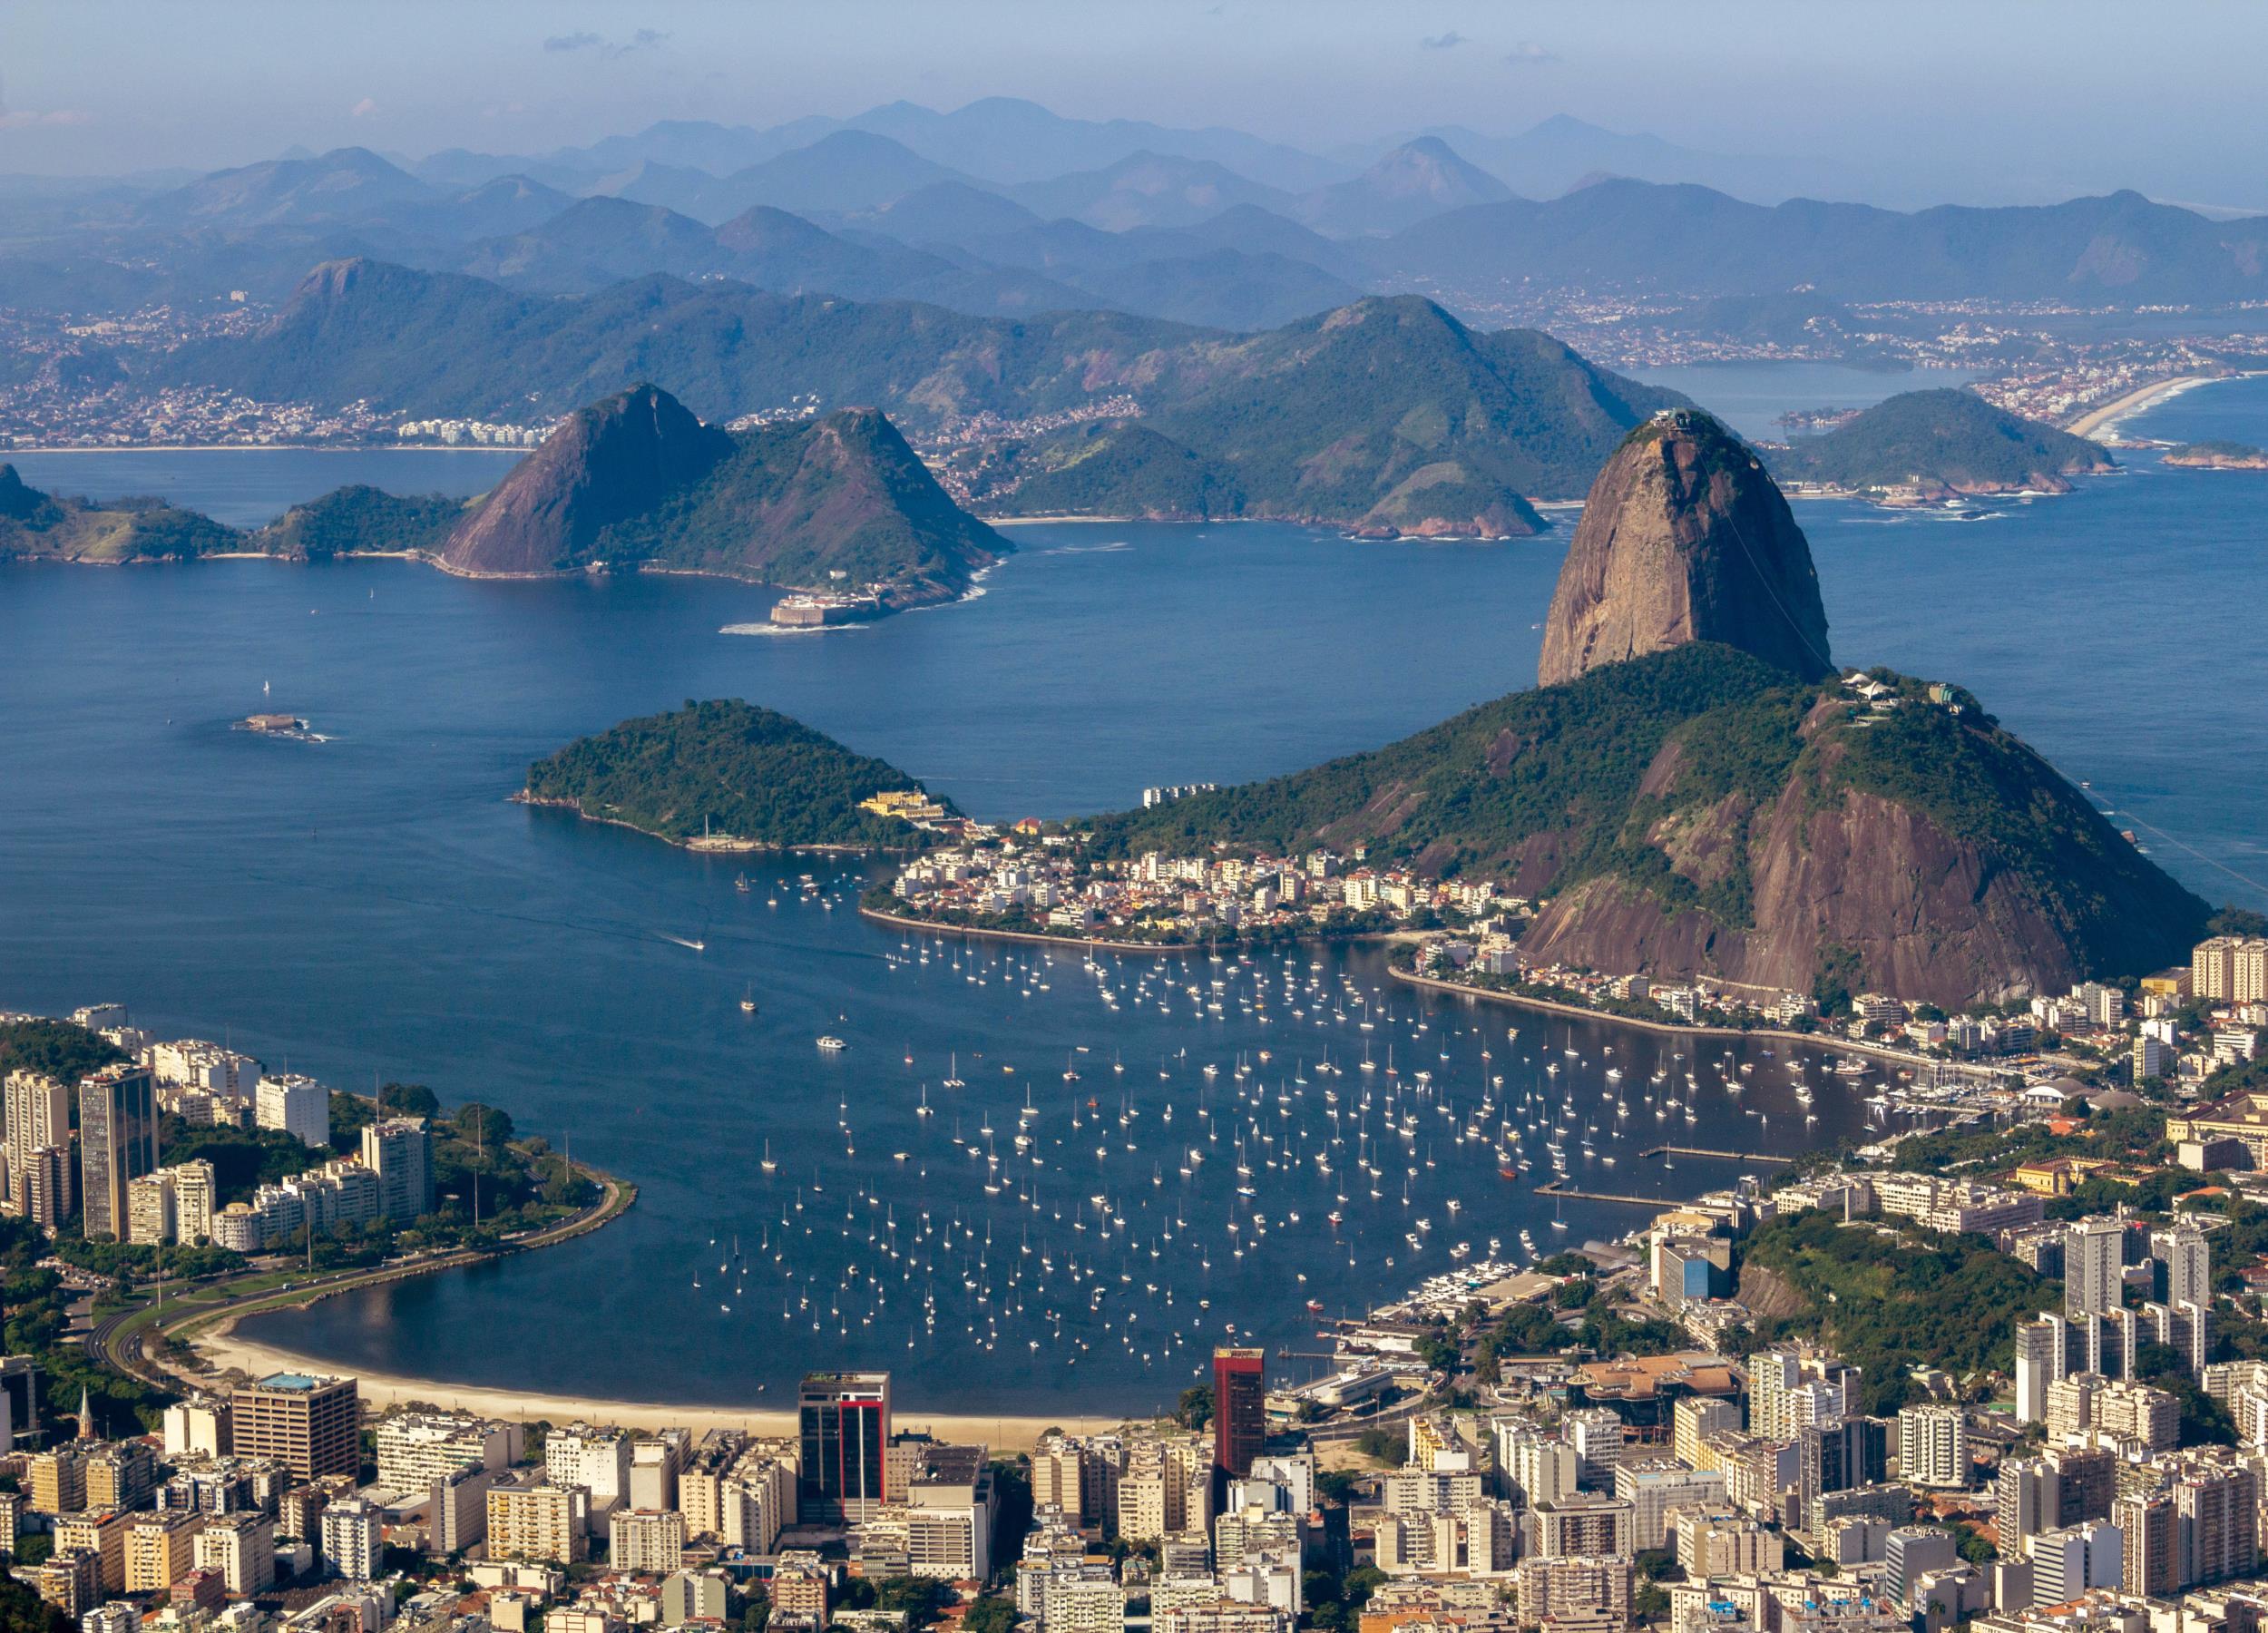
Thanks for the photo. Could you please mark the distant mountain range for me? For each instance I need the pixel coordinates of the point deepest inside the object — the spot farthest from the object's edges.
(1386, 413)
(1003, 208)
(2121, 248)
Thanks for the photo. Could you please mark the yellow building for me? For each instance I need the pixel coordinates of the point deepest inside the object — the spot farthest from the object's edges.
(160, 1549)
(103, 1532)
(2242, 1117)
(548, 1523)
(907, 805)
(58, 1481)
(2056, 1176)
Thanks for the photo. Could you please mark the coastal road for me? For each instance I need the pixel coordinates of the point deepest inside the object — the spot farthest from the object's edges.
(119, 1338)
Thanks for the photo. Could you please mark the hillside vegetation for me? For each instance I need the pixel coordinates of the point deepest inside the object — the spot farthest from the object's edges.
(1539, 785)
(1891, 1300)
(35, 523)
(728, 769)
(361, 521)
(1697, 811)
(1386, 413)
(1949, 438)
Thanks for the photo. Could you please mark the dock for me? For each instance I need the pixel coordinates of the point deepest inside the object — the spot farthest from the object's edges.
(1678, 1150)
(1556, 1189)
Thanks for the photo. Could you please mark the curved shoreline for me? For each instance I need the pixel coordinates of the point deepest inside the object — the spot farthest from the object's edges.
(1093, 943)
(1006, 1432)
(212, 1334)
(2108, 416)
(1552, 1006)
(722, 844)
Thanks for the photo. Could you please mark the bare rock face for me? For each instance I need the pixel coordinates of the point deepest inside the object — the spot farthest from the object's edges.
(614, 460)
(1684, 538)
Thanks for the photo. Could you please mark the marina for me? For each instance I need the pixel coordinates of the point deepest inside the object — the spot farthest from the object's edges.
(1088, 1169)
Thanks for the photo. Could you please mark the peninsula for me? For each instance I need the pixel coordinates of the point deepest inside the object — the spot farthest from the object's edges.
(727, 775)
(1695, 791)
(1920, 446)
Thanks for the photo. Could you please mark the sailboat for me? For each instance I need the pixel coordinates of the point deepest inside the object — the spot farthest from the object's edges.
(748, 1001)
(952, 1079)
(769, 1165)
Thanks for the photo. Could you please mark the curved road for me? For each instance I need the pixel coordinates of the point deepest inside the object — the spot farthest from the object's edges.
(119, 1338)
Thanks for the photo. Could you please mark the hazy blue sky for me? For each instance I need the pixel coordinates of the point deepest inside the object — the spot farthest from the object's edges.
(1959, 97)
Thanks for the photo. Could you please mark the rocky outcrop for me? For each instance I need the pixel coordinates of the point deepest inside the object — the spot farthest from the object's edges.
(1940, 896)
(608, 463)
(837, 503)
(1684, 538)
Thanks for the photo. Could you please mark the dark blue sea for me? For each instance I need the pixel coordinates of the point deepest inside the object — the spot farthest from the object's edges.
(371, 907)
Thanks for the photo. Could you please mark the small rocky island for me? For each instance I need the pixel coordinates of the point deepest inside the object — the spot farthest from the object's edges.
(2216, 456)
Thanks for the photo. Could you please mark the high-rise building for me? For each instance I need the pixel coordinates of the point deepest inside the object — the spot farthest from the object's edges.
(1239, 1409)
(2216, 1519)
(418, 1448)
(311, 1425)
(1933, 1446)
(2147, 1528)
(41, 1183)
(2040, 1363)
(2230, 967)
(38, 1111)
(297, 1105)
(1692, 1419)
(242, 1547)
(2185, 1260)
(844, 1419)
(118, 1143)
(160, 1549)
(458, 1503)
(1789, 1388)
(647, 1541)
(399, 1152)
(353, 1543)
(2092, 1264)
(541, 1522)
(2071, 1559)
(596, 1459)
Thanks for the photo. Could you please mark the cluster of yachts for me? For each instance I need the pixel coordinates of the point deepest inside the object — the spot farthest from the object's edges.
(1264, 1120)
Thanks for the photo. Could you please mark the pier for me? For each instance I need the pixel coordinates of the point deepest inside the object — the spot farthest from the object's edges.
(1554, 1189)
(1678, 1150)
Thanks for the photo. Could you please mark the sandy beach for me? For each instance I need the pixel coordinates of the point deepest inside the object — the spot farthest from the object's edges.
(225, 1349)
(2095, 421)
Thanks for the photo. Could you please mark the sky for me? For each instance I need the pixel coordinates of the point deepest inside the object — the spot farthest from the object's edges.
(1978, 99)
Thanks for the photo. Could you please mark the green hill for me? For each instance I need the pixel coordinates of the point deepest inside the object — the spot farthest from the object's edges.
(1387, 413)
(1945, 440)
(637, 480)
(728, 768)
(361, 521)
(1121, 470)
(1697, 811)
(34, 524)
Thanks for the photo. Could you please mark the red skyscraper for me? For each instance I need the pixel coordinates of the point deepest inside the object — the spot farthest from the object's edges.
(1239, 1410)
